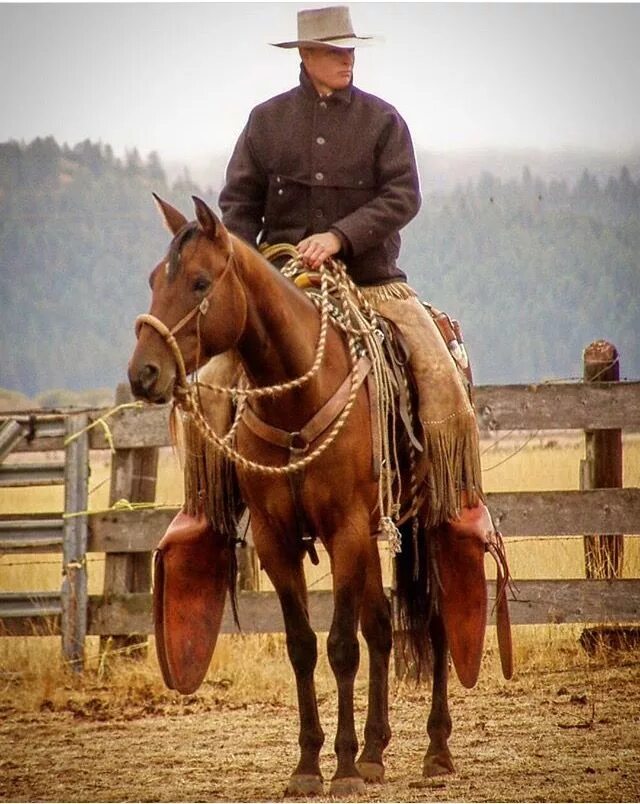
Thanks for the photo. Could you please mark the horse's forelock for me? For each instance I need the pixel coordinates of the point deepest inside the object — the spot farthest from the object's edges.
(186, 233)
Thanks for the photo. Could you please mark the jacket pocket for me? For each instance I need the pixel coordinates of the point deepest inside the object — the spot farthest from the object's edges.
(354, 190)
(286, 204)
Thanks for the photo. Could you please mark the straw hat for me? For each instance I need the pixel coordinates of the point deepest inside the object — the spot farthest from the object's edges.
(330, 27)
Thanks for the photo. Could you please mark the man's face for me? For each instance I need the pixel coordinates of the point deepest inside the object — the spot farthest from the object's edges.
(329, 68)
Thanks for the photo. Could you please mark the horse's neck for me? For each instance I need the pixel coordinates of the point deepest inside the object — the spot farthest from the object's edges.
(279, 340)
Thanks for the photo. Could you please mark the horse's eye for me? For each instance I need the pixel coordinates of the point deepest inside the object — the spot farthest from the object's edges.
(201, 283)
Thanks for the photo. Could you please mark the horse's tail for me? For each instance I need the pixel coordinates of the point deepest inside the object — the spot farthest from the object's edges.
(416, 590)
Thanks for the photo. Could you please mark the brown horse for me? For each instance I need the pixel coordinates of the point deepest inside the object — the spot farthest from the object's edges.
(214, 293)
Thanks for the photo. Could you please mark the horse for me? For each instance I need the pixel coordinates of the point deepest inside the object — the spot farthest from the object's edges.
(213, 294)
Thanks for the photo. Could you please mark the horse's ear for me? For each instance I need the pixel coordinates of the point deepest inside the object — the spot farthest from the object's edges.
(173, 220)
(209, 222)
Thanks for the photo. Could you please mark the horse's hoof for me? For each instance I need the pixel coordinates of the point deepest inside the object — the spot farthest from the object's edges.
(347, 786)
(304, 784)
(437, 764)
(371, 771)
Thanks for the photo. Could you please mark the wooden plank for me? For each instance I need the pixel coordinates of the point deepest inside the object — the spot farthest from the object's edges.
(559, 406)
(30, 614)
(128, 531)
(31, 535)
(43, 431)
(134, 428)
(562, 513)
(602, 468)
(11, 434)
(556, 513)
(74, 546)
(555, 406)
(259, 613)
(20, 475)
(538, 602)
(133, 477)
(579, 601)
(146, 426)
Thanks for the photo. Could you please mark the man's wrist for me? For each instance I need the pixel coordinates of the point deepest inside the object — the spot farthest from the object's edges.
(345, 245)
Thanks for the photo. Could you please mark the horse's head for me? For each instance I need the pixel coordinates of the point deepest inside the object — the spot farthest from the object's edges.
(197, 302)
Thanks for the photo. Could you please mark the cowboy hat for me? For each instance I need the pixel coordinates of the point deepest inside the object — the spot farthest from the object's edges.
(328, 27)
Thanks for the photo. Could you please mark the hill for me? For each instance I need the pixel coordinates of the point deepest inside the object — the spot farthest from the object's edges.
(535, 266)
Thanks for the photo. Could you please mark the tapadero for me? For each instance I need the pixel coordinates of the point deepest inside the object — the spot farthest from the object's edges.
(307, 163)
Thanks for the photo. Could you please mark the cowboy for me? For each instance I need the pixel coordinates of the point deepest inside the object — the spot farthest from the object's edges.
(331, 169)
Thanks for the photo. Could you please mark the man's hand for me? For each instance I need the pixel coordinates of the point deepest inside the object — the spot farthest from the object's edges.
(317, 248)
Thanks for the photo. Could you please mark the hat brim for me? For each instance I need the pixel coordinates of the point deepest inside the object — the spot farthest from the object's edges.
(343, 43)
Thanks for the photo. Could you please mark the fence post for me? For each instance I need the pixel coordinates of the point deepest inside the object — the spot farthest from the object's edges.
(74, 544)
(602, 468)
(133, 478)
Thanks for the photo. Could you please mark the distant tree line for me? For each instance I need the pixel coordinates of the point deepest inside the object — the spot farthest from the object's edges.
(535, 269)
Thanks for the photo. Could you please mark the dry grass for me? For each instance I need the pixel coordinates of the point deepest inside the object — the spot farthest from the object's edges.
(255, 668)
(246, 669)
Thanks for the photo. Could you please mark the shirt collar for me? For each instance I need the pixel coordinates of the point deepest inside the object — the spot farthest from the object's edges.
(340, 95)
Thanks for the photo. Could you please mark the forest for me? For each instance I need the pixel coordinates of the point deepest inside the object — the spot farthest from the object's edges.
(535, 268)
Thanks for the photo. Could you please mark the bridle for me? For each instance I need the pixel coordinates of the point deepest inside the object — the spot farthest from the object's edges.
(169, 334)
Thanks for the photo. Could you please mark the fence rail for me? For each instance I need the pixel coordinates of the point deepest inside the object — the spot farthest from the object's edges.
(127, 537)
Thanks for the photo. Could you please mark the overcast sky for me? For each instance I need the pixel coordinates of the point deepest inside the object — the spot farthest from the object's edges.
(180, 78)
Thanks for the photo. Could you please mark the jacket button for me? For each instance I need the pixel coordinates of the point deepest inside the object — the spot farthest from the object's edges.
(320, 140)
(319, 213)
(319, 176)
(323, 104)
(281, 191)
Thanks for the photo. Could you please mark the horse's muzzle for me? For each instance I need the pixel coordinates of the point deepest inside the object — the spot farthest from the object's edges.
(146, 384)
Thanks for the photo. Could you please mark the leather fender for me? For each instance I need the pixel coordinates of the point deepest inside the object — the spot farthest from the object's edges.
(460, 551)
(191, 568)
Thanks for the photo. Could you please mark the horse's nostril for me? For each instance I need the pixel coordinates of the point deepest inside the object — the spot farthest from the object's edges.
(148, 376)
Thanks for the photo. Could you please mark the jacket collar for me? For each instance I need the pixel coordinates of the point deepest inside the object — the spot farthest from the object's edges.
(340, 95)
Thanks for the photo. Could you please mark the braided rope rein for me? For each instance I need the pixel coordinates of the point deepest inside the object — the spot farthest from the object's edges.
(281, 388)
(186, 397)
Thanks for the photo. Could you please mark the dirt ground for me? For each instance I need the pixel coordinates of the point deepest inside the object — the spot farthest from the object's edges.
(562, 735)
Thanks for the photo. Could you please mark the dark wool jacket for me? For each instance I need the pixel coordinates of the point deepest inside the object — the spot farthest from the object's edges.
(306, 164)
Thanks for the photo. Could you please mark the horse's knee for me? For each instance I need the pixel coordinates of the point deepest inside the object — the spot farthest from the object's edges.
(302, 648)
(376, 625)
(343, 652)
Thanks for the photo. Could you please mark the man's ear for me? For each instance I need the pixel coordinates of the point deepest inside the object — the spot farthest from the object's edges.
(211, 225)
(173, 220)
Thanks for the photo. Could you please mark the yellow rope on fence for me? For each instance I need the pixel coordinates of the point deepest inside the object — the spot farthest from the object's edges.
(101, 420)
(123, 505)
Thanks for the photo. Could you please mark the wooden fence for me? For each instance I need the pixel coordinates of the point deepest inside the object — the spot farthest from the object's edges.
(128, 537)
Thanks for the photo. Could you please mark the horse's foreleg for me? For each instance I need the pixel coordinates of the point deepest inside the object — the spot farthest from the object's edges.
(287, 576)
(375, 620)
(349, 568)
(437, 760)
(303, 654)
